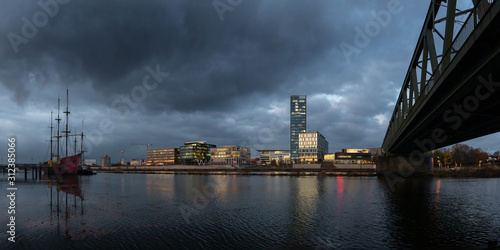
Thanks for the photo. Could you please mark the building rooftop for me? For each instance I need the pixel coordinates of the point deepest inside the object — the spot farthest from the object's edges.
(195, 142)
(273, 150)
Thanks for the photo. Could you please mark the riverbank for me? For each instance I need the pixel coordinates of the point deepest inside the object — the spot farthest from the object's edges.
(467, 172)
(483, 172)
(230, 170)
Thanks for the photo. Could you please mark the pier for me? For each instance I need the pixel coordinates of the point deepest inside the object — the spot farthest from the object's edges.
(34, 169)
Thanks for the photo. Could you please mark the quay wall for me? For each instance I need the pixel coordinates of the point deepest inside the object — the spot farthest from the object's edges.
(228, 169)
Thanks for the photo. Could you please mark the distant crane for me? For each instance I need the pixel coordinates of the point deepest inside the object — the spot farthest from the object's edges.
(147, 145)
(123, 159)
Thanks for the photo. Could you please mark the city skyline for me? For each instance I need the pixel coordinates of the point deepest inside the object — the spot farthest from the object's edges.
(250, 124)
(178, 72)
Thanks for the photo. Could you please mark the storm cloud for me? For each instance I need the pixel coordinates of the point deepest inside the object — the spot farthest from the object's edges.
(220, 71)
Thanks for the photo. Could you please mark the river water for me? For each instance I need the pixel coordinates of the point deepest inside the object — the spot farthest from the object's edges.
(141, 211)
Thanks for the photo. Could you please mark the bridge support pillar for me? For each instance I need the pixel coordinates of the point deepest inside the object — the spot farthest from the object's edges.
(404, 165)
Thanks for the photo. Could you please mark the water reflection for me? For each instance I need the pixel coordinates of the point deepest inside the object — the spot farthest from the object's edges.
(67, 189)
(258, 212)
(304, 203)
(436, 200)
(160, 186)
(340, 195)
(442, 212)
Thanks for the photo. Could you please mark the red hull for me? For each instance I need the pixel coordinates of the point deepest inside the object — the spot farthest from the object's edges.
(68, 166)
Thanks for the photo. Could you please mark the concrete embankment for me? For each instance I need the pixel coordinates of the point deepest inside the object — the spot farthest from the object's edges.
(230, 170)
(336, 166)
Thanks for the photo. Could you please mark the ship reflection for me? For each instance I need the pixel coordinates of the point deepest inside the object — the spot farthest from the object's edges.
(64, 189)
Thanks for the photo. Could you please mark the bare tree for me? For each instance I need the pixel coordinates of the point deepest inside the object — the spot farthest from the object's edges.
(467, 155)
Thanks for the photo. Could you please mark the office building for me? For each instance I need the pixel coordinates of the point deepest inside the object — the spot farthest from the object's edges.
(195, 153)
(274, 156)
(355, 151)
(354, 155)
(329, 158)
(312, 147)
(136, 162)
(105, 161)
(162, 156)
(298, 107)
(230, 155)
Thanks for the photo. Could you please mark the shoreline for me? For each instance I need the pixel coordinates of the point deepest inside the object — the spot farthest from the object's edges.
(211, 170)
(483, 172)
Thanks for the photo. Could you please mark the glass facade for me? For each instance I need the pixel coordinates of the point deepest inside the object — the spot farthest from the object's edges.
(298, 108)
(274, 156)
(312, 147)
(329, 158)
(162, 156)
(230, 155)
(195, 153)
(353, 155)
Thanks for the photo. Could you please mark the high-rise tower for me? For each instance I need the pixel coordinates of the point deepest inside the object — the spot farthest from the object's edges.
(297, 123)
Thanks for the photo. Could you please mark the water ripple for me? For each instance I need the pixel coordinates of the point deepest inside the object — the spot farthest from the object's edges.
(260, 212)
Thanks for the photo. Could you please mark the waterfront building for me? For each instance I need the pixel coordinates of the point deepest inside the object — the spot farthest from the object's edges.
(274, 156)
(136, 162)
(312, 147)
(298, 107)
(90, 162)
(196, 152)
(354, 155)
(105, 161)
(329, 158)
(162, 156)
(230, 155)
(355, 151)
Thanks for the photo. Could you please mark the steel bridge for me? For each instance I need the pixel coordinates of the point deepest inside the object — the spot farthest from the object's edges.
(451, 92)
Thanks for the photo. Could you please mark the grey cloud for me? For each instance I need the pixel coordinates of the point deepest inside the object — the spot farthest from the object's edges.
(225, 78)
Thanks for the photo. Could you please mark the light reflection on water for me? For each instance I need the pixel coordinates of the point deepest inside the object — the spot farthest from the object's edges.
(258, 212)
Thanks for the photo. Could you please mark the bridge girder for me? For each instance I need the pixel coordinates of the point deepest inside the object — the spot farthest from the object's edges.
(428, 74)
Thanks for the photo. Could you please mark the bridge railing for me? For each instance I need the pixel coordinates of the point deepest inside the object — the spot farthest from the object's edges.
(415, 90)
(462, 36)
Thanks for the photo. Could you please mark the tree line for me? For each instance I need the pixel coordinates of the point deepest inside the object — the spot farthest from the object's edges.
(460, 154)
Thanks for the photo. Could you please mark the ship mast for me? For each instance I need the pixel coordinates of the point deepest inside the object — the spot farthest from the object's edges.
(81, 142)
(67, 116)
(58, 122)
(51, 140)
(75, 142)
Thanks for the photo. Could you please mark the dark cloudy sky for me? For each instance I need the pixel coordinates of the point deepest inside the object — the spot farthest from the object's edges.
(166, 72)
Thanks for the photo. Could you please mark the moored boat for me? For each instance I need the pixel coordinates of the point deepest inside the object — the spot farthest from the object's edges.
(66, 165)
(85, 170)
(70, 164)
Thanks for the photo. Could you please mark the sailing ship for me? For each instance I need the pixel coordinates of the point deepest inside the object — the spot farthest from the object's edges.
(70, 164)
